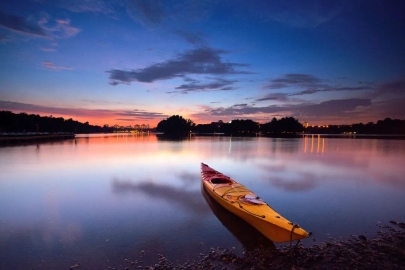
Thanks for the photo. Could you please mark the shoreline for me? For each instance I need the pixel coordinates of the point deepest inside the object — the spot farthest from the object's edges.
(23, 138)
(386, 251)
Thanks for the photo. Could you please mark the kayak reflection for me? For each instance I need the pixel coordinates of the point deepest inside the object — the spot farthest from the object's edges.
(248, 236)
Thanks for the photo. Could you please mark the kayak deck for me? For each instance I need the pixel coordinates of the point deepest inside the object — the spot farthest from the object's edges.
(239, 200)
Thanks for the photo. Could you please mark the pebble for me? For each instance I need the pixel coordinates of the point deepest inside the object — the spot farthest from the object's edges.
(387, 251)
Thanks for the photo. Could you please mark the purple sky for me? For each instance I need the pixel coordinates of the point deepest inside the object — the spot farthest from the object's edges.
(139, 62)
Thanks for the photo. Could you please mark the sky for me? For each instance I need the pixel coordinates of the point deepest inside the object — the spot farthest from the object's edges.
(131, 62)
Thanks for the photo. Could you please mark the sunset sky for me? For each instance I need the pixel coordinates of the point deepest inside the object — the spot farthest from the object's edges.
(133, 62)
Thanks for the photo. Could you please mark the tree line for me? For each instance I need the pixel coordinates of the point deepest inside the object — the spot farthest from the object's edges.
(284, 127)
(22, 122)
(386, 126)
(176, 125)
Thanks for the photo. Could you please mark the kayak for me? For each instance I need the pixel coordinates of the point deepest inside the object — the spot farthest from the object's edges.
(242, 202)
(246, 234)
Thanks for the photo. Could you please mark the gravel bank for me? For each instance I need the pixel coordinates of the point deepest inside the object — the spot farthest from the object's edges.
(386, 251)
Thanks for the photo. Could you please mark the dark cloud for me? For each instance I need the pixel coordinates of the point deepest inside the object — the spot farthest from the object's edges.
(4, 38)
(274, 96)
(330, 89)
(389, 99)
(154, 13)
(228, 88)
(21, 25)
(309, 83)
(295, 78)
(198, 61)
(274, 85)
(140, 114)
(396, 87)
(196, 86)
(299, 14)
(45, 28)
(95, 6)
(240, 111)
(192, 38)
(242, 105)
(340, 107)
(146, 12)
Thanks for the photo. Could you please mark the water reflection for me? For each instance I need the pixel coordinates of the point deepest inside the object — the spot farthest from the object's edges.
(244, 232)
(310, 144)
(306, 181)
(62, 201)
(185, 198)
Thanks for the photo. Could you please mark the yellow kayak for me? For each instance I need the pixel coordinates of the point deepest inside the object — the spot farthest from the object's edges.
(239, 200)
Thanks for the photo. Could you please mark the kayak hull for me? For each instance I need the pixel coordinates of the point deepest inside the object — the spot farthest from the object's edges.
(242, 202)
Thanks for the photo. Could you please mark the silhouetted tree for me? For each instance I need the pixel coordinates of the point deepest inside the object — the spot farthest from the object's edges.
(284, 125)
(175, 125)
(241, 127)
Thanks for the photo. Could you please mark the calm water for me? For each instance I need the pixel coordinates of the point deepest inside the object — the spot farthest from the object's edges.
(101, 199)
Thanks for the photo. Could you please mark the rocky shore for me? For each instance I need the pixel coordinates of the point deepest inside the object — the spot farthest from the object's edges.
(386, 251)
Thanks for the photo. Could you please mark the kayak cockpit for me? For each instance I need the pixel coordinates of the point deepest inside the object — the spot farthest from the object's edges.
(217, 181)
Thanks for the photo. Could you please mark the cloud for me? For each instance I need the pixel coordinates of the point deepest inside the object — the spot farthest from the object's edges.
(192, 38)
(389, 99)
(195, 86)
(298, 14)
(154, 13)
(198, 61)
(4, 38)
(48, 49)
(44, 28)
(341, 107)
(140, 114)
(95, 6)
(61, 28)
(274, 96)
(396, 87)
(309, 83)
(22, 25)
(50, 65)
(241, 105)
(293, 79)
(330, 89)
(77, 112)
(248, 110)
(146, 12)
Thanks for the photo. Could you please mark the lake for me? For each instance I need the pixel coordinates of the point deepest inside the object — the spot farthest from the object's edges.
(100, 199)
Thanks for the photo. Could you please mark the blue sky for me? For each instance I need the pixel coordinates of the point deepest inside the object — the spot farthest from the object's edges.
(134, 62)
